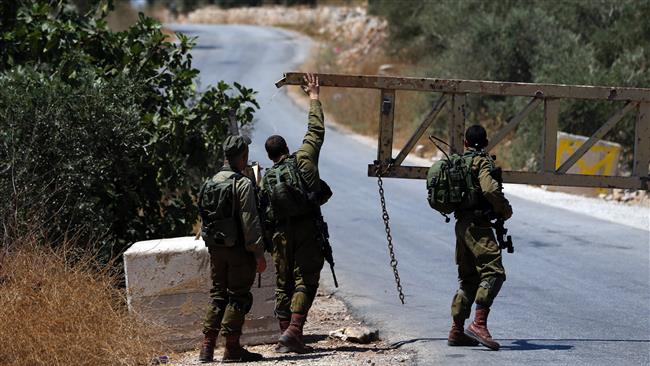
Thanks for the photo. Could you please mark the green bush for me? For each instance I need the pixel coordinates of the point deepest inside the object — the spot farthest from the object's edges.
(103, 133)
(590, 42)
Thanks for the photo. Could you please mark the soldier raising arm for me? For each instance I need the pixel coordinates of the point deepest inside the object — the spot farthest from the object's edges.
(309, 152)
(297, 239)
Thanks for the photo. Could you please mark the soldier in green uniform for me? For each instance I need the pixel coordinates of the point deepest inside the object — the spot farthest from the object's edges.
(478, 256)
(232, 232)
(296, 237)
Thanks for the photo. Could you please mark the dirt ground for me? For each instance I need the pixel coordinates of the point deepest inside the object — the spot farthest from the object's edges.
(328, 313)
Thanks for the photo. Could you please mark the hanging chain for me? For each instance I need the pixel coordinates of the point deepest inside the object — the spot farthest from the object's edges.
(389, 238)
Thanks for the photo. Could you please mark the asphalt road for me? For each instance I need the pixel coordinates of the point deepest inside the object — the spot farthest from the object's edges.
(578, 288)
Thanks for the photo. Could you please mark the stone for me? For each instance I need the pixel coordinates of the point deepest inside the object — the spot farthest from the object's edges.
(363, 335)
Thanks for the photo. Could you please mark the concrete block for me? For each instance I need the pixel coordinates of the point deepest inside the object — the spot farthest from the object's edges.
(168, 283)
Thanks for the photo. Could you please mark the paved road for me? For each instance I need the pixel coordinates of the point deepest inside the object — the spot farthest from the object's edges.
(578, 288)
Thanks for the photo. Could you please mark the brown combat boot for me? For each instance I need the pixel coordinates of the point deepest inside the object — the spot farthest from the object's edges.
(207, 348)
(457, 336)
(292, 337)
(479, 331)
(234, 352)
(280, 348)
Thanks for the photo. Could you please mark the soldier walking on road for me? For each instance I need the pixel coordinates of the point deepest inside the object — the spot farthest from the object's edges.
(232, 232)
(478, 256)
(294, 190)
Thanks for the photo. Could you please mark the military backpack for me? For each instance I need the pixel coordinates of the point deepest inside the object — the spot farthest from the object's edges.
(287, 194)
(218, 207)
(450, 184)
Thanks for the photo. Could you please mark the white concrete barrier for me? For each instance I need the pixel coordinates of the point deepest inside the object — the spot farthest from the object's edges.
(168, 282)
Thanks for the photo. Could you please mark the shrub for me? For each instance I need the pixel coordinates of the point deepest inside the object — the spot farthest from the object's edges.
(104, 133)
(569, 42)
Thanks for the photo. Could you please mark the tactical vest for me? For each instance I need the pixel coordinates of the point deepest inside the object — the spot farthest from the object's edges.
(451, 185)
(287, 194)
(218, 203)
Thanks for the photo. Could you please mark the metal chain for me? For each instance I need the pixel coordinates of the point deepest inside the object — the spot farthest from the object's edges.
(389, 238)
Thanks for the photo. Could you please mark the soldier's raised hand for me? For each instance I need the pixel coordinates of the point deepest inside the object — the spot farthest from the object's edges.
(311, 87)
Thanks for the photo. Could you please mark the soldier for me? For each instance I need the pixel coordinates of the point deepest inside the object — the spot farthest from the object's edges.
(478, 256)
(232, 232)
(296, 237)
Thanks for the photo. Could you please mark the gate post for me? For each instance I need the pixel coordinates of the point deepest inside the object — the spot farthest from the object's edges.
(642, 141)
(386, 121)
(549, 146)
(457, 126)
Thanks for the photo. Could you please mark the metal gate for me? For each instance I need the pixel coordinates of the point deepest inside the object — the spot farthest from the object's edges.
(454, 93)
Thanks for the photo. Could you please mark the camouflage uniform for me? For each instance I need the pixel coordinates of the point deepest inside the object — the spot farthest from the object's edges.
(297, 252)
(478, 256)
(233, 268)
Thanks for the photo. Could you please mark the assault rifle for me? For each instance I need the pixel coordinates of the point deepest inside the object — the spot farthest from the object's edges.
(254, 172)
(505, 240)
(325, 243)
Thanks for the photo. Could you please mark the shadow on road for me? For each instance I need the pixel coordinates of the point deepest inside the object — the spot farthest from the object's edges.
(319, 352)
(528, 344)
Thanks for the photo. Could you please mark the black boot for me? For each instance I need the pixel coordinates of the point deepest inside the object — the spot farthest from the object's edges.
(234, 352)
(207, 348)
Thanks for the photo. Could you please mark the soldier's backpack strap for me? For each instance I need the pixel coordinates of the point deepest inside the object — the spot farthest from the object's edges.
(296, 176)
(235, 197)
(468, 158)
(200, 197)
(473, 199)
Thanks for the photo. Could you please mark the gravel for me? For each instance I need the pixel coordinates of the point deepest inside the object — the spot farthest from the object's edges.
(328, 314)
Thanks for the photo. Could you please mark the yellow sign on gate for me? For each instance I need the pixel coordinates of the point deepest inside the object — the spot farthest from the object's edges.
(600, 159)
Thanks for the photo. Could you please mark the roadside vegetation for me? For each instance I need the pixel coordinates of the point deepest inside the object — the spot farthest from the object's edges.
(583, 42)
(61, 307)
(103, 133)
(104, 141)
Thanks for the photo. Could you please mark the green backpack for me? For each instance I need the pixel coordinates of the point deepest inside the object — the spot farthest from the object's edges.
(450, 184)
(286, 191)
(218, 210)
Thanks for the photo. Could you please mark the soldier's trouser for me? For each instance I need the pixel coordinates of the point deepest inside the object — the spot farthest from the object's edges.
(298, 259)
(233, 273)
(480, 270)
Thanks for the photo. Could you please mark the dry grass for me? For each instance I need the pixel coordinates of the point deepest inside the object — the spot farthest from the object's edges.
(56, 310)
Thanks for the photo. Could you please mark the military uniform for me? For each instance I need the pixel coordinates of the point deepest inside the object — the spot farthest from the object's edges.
(297, 252)
(297, 247)
(478, 256)
(233, 260)
(233, 268)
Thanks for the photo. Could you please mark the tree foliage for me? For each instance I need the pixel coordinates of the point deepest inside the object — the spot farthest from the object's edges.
(104, 133)
(584, 42)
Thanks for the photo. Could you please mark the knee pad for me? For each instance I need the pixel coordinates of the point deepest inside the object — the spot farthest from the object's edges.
(488, 290)
(220, 305)
(243, 304)
(308, 290)
(461, 305)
